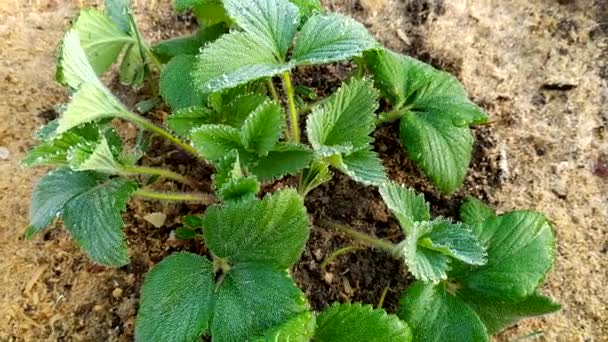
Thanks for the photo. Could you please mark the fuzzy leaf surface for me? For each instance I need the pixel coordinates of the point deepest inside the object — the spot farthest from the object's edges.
(176, 300)
(54, 152)
(363, 166)
(252, 299)
(216, 141)
(184, 120)
(408, 206)
(474, 211)
(282, 160)
(97, 156)
(237, 189)
(262, 129)
(344, 122)
(435, 315)
(328, 38)
(188, 45)
(177, 85)
(272, 231)
(359, 323)
(300, 328)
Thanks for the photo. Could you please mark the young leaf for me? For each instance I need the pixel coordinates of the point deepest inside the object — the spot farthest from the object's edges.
(359, 323)
(216, 141)
(300, 328)
(54, 152)
(430, 245)
(176, 300)
(307, 7)
(185, 233)
(282, 160)
(133, 70)
(188, 45)
(317, 174)
(234, 59)
(272, 231)
(474, 211)
(520, 247)
(262, 129)
(344, 122)
(73, 66)
(94, 220)
(327, 38)
(101, 39)
(363, 166)
(177, 85)
(93, 156)
(226, 169)
(237, 189)
(435, 315)
(271, 23)
(252, 299)
(405, 204)
(118, 12)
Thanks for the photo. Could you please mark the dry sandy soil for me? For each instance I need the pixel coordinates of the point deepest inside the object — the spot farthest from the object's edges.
(540, 68)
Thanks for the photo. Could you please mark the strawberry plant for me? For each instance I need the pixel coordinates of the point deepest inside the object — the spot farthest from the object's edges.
(474, 277)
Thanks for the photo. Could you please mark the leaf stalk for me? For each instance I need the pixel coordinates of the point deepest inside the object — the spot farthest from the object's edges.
(288, 86)
(176, 196)
(371, 241)
(152, 171)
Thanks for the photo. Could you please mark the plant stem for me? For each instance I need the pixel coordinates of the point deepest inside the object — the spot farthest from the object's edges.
(382, 298)
(391, 116)
(337, 253)
(273, 90)
(176, 196)
(152, 171)
(369, 240)
(295, 129)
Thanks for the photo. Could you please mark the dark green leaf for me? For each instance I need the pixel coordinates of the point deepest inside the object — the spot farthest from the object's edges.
(177, 86)
(284, 159)
(184, 233)
(300, 328)
(184, 120)
(188, 45)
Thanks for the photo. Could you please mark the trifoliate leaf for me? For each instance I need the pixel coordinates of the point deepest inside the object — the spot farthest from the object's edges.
(234, 59)
(252, 299)
(183, 121)
(118, 12)
(73, 66)
(328, 38)
(94, 220)
(176, 300)
(474, 211)
(51, 194)
(436, 315)
(363, 166)
(316, 175)
(272, 231)
(89, 104)
(133, 69)
(54, 152)
(300, 328)
(271, 23)
(262, 129)
(177, 86)
(282, 160)
(359, 323)
(429, 247)
(405, 204)
(101, 39)
(237, 189)
(188, 45)
(498, 315)
(216, 141)
(307, 7)
(520, 247)
(93, 156)
(343, 123)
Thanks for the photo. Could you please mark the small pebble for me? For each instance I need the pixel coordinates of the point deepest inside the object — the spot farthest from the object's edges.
(117, 293)
(156, 219)
(5, 154)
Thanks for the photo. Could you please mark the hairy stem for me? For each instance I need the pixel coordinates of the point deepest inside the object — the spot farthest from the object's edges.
(176, 196)
(152, 171)
(272, 90)
(367, 239)
(338, 253)
(293, 111)
(392, 116)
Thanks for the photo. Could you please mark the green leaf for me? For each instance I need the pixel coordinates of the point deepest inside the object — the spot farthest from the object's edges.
(176, 300)
(184, 120)
(184, 233)
(47, 131)
(474, 211)
(226, 169)
(93, 156)
(497, 315)
(94, 220)
(405, 204)
(282, 160)
(317, 174)
(520, 247)
(118, 12)
(262, 129)
(184, 5)
(252, 299)
(133, 70)
(234, 59)
(101, 39)
(363, 166)
(73, 66)
(300, 328)
(443, 151)
(359, 323)
(89, 104)
(238, 108)
(211, 12)
(328, 38)
(177, 85)
(271, 231)
(55, 152)
(343, 123)
(307, 7)
(51, 194)
(216, 141)
(429, 247)
(188, 45)
(240, 189)
(271, 23)
(435, 315)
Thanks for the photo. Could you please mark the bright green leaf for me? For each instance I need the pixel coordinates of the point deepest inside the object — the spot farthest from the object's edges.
(300, 328)
(405, 204)
(272, 231)
(176, 300)
(363, 166)
(227, 168)
(262, 129)
(317, 174)
(435, 315)
(216, 141)
(343, 123)
(282, 160)
(237, 189)
(177, 85)
(474, 211)
(307, 7)
(328, 38)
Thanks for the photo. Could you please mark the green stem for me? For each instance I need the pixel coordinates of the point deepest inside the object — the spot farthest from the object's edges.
(338, 253)
(175, 196)
(369, 240)
(273, 90)
(295, 129)
(392, 116)
(382, 298)
(152, 171)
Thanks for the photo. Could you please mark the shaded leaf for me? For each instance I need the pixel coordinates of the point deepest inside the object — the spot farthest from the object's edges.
(118, 12)
(177, 85)
(284, 159)
(216, 141)
(184, 120)
(474, 211)
(188, 45)
(262, 129)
